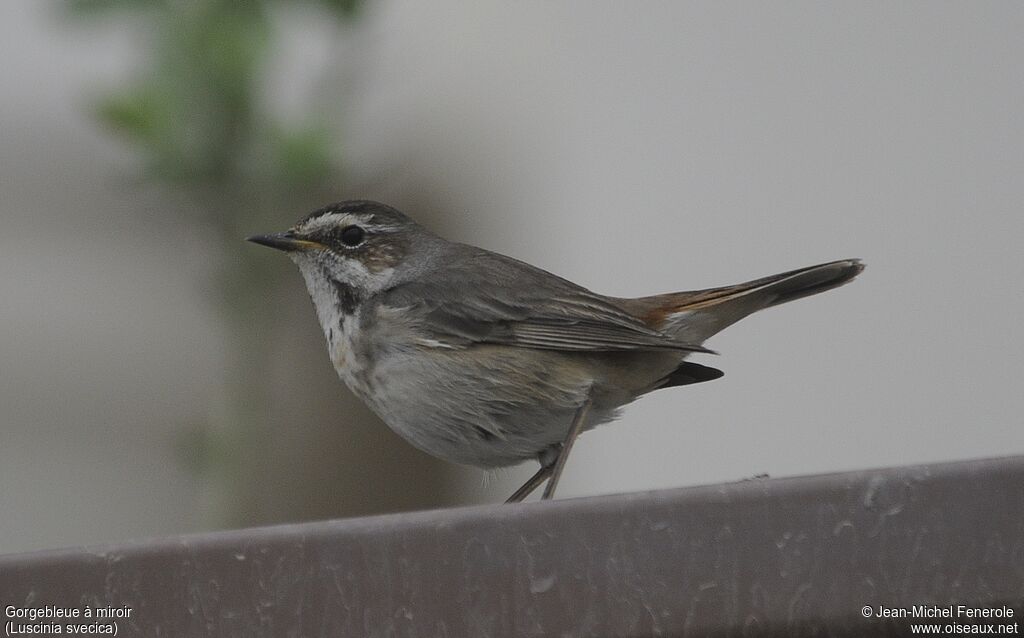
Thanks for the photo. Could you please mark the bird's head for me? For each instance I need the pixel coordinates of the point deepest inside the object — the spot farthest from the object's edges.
(351, 250)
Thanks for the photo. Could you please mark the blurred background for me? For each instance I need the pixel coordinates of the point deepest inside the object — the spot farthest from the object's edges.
(159, 375)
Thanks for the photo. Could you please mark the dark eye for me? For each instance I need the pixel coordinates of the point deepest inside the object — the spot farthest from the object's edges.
(352, 235)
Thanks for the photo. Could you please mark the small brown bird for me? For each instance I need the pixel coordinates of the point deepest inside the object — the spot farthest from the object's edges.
(482, 359)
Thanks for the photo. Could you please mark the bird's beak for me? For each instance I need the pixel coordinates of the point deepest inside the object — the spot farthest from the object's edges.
(287, 241)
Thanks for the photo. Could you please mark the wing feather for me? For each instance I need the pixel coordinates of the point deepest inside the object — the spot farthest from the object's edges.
(499, 300)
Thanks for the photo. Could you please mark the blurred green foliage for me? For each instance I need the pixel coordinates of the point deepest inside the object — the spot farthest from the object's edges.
(194, 110)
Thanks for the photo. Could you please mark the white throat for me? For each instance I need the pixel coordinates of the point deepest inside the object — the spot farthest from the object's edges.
(325, 300)
(337, 289)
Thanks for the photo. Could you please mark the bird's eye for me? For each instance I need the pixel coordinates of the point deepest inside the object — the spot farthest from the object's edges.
(352, 235)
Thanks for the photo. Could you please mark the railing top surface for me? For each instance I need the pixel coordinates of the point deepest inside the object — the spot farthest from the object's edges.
(795, 556)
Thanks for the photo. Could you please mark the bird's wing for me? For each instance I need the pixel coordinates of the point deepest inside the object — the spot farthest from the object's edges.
(494, 299)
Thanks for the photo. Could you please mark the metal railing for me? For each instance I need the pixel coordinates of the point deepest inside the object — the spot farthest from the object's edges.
(833, 555)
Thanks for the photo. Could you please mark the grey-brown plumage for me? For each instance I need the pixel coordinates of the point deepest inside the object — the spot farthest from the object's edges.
(482, 359)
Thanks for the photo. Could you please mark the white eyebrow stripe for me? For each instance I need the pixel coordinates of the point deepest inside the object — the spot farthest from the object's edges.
(328, 220)
(340, 220)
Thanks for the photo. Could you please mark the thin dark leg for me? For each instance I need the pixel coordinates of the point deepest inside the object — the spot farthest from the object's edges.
(533, 483)
(563, 456)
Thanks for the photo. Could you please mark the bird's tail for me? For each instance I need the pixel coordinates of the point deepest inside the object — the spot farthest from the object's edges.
(696, 315)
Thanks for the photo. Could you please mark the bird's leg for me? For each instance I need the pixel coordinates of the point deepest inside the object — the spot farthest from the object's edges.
(552, 460)
(574, 430)
(533, 483)
(546, 458)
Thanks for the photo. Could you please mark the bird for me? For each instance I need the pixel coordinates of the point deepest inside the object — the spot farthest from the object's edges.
(481, 359)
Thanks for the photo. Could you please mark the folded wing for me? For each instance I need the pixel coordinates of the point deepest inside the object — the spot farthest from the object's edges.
(489, 298)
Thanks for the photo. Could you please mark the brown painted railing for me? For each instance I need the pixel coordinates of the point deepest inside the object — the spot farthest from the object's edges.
(799, 556)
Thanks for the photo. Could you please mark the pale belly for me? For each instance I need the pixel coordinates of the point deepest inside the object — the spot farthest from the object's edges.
(486, 406)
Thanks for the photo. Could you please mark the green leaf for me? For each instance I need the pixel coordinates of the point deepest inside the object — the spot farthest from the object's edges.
(346, 9)
(138, 113)
(95, 6)
(304, 156)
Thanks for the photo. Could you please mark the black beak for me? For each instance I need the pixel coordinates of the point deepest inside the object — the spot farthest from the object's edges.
(286, 241)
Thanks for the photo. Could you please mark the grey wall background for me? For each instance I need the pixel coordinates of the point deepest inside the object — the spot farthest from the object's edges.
(632, 148)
